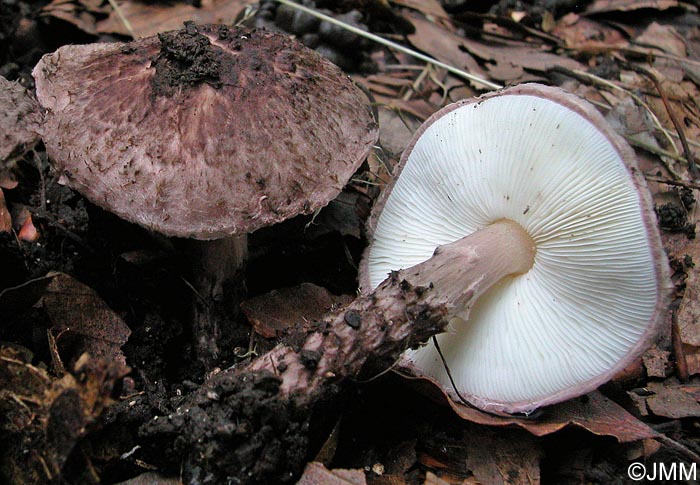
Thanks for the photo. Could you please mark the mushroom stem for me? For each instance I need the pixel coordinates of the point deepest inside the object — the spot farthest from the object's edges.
(476, 262)
(219, 262)
(455, 277)
(219, 281)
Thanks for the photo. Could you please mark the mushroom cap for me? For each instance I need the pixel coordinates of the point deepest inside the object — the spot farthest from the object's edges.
(204, 132)
(599, 284)
(19, 119)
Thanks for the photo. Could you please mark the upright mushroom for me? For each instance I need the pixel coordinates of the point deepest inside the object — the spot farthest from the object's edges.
(208, 133)
(536, 176)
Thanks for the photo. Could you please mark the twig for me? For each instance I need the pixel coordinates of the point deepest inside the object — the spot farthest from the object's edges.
(124, 20)
(393, 45)
(449, 374)
(675, 183)
(578, 74)
(674, 119)
(415, 85)
(679, 448)
(679, 354)
(663, 154)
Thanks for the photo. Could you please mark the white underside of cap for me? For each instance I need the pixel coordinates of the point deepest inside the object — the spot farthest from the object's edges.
(593, 288)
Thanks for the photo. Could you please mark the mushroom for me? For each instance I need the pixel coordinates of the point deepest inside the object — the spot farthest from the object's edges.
(542, 185)
(207, 133)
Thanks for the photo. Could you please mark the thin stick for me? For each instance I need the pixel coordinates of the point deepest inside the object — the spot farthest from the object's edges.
(679, 354)
(674, 119)
(449, 374)
(393, 45)
(675, 183)
(577, 73)
(679, 448)
(124, 20)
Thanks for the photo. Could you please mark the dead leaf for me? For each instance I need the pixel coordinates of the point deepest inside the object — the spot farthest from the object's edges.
(501, 457)
(663, 37)
(21, 297)
(443, 46)
(429, 8)
(151, 478)
(606, 6)
(82, 14)
(82, 322)
(588, 35)
(395, 131)
(317, 474)
(5, 217)
(656, 362)
(496, 456)
(593, 412)
(345, 215)
(687, 253)
(290, 310)
(28, 231)
(672, 400)
(419, 108)
(44, 417)
(508, 58)
(148, 18)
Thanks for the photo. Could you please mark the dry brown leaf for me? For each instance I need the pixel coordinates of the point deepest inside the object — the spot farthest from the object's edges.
(433, 479)
(656, 362)
(587, 35)
(429, 8)
(396, 131)
(151, 18)
(663, 37)
(527, 56)
(444, 46)
(672, 400)
(5, 218)
(419, 108)
(82, 322)
(317, 474)
(82, 14)
(345, 215)
(593, 412)
(290, 310)
(508, 58)
(605, 6)
(687, 252)
(503, 457)
(497, 456)
(151, 478)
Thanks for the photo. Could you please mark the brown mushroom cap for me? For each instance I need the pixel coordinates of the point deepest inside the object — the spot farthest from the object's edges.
(204, 132)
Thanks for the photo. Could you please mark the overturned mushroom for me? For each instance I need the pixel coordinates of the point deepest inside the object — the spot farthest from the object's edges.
(556, 197)
(206, 133)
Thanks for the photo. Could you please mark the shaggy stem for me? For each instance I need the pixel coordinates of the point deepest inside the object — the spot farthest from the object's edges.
(405, 309)
(252, 422)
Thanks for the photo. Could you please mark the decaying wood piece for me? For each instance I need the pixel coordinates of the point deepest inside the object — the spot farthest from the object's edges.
(251, 423)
